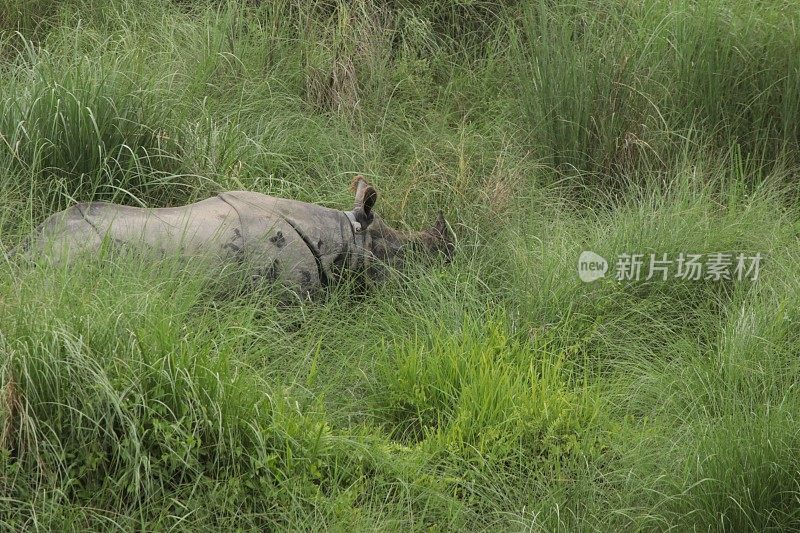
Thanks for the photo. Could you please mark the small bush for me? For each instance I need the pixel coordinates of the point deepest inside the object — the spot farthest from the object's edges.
(486, 395)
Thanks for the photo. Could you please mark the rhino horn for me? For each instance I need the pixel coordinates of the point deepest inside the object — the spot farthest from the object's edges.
(365, 198)
(440, 226)
(441, 238)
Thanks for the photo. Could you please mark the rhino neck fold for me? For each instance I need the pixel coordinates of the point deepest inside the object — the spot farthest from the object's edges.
(323, 276)
(354, 224)
(357, 249)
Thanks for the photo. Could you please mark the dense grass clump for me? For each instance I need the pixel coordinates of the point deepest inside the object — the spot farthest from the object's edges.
(496, 392)
(482, 392)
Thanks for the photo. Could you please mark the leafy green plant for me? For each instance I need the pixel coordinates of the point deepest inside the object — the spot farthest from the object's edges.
(486, 394)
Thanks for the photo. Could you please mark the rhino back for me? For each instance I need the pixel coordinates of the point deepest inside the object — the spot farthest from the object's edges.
(207, 226)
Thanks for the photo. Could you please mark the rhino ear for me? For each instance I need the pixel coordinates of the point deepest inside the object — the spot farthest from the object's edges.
(365, 199)
(370, 197)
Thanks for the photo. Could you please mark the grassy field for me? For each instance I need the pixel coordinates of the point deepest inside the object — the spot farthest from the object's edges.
(499, 392)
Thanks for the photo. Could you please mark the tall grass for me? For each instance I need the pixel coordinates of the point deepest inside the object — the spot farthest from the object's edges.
(497, 392)
(607, 88)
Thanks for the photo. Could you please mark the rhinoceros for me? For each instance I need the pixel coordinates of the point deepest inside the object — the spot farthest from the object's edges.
(300, 245)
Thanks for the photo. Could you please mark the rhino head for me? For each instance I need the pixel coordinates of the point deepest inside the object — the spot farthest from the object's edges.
(383, 247)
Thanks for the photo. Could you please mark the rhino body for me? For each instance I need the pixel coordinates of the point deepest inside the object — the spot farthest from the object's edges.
(303, 246)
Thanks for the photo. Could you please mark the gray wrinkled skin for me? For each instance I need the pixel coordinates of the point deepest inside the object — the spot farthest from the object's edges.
(300, 245)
